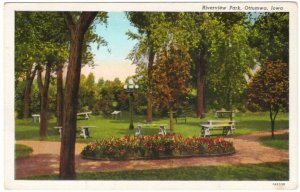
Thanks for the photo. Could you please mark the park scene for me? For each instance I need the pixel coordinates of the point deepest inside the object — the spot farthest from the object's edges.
(152, 96)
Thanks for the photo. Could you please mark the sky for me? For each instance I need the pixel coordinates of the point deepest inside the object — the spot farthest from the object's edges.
(113, 63)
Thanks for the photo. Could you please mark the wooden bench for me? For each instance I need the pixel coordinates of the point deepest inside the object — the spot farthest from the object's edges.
(162, 128)
(85, 115)
(227, 127)
(225, 114)
(116, 114)
(139, 130)
(85, 131)
(59, 129)
(36, 117)
(180, 117)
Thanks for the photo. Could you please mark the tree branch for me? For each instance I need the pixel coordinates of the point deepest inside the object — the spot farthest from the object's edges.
(69, 22)
(33, 73)
(85, 20)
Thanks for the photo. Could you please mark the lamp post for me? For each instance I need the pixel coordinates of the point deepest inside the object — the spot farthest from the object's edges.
(129, 88)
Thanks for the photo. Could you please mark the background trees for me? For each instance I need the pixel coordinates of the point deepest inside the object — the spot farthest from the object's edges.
(270, 36)
(269, 90)
(45, 34)
(218, 44)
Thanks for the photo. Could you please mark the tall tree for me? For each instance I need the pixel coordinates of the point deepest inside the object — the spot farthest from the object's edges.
(220, 36)
(156, 30)
(145, 22)
(269, 90)
(171, 78)
(230, 59)
(77, 30)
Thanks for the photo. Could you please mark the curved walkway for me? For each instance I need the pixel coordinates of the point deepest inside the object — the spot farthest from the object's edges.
(45, 157)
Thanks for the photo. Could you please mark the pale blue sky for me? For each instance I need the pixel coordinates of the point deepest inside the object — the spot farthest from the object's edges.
(113, 64)
(115, 35)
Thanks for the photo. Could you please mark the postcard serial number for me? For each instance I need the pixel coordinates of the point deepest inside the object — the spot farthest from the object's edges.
(279, 184)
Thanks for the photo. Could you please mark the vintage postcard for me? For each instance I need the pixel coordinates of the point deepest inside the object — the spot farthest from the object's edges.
(151, 95)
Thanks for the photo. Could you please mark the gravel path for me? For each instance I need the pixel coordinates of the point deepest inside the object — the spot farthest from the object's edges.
(45, 157)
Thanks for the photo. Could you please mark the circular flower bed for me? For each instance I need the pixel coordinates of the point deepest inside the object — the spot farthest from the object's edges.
(156, 146)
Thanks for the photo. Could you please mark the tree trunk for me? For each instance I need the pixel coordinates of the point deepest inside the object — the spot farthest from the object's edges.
(200, 85)
(27, 93)
(171, 115)
(67, 152)
(149, 93)
(273, 115)
(272, 127)
(44, 114)
(44, 98)
(60, 95)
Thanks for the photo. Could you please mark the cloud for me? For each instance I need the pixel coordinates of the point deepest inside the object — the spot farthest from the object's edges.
(111, 69)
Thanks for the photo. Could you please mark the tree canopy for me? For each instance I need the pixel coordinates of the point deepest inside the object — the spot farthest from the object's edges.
(270, 36)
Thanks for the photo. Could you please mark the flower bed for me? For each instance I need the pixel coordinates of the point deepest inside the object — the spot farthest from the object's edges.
(156, 146)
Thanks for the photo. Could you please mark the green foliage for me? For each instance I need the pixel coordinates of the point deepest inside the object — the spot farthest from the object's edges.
(40, 36)
(270, 36)
(112, 97)
(19, 94)
(221, 38)
(229, 58)
(87, 92)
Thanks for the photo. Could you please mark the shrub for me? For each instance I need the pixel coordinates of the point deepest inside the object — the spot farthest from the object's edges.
(156, 146)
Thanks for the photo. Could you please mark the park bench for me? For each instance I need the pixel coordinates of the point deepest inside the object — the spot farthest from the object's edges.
(225, 114)
(182, 114)
(85, 133)
(162, 128)
(116, 114)
(139, 130)
(84, 115)
(180, 117)
(84, 130)
(59, 129)
(36, 117)
(226, 126)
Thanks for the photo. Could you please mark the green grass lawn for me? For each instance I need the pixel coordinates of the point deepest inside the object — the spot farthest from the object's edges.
(107, 127)
(22, 151)
(256, 172)
(280, 141)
